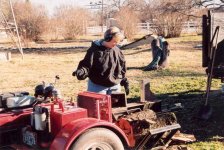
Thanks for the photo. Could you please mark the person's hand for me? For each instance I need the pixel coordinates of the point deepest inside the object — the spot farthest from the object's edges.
(81, 74)
(125, 83)
(74, 73)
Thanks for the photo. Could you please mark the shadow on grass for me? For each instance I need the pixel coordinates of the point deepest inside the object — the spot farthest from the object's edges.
(168, 72)
(137, 51)
(64, 50)
(135, 68)
(192, 101)
(176, 73)
(69, 49)
(188, 117)
(183, 95)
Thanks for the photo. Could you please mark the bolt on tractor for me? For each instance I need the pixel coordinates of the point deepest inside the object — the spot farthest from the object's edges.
(95, 121)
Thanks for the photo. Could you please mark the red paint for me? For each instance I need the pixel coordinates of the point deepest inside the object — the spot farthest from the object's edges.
(98, 105)
(14, 119)
(59, 118)
(67, 124)
(72, 130)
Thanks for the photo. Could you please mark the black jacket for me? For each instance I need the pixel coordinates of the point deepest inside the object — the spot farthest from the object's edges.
(103, 66)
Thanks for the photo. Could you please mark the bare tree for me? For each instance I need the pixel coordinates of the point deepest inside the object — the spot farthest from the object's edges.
(136, 5)
(5, 9)
(127, 20)
(209, 3)
(168, 16)
(71, 21)
(32, 20)
(116, 4)
(53, 29)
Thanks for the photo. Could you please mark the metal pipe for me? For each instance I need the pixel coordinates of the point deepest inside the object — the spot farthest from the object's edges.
(17, 32)
(102, 16)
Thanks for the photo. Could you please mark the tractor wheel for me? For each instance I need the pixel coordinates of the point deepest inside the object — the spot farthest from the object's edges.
(98, 139)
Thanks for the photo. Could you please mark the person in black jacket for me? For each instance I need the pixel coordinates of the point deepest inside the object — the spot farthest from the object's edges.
(104, 64)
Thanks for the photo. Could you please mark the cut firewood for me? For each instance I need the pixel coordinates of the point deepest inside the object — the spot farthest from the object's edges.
(182, 137)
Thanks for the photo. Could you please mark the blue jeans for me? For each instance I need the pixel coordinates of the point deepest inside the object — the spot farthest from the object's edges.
(92, 87)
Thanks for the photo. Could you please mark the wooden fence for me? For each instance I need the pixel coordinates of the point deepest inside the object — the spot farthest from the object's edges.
(188, 27)
(146, 28)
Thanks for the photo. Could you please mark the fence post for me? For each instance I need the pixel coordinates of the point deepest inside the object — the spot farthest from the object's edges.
(147, 27)
(8, 56)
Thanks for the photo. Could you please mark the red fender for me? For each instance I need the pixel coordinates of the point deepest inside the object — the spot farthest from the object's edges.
(72, 130)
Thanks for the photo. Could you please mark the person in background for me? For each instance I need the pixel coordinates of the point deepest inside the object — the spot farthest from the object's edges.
(104, 64)
(160, 53)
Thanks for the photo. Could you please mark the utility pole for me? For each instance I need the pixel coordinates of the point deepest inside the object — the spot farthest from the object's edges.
(98, 5)
(102, 16)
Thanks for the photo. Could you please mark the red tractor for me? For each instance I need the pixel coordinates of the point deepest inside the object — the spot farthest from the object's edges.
(96, 121)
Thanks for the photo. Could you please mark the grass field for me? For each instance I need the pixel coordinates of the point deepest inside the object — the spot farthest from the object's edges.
(184, 81)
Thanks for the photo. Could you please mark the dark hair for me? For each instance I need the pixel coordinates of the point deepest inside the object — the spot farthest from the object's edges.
(112, 32)
(166, 43)
(108, 37)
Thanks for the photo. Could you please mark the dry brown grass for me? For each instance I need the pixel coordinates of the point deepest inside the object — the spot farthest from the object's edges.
(24, 75)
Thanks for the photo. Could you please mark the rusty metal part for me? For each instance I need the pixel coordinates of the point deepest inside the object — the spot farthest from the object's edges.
(143, 126)
(127, 129)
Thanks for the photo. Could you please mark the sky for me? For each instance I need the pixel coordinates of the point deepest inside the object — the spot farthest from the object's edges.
(51, 4)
